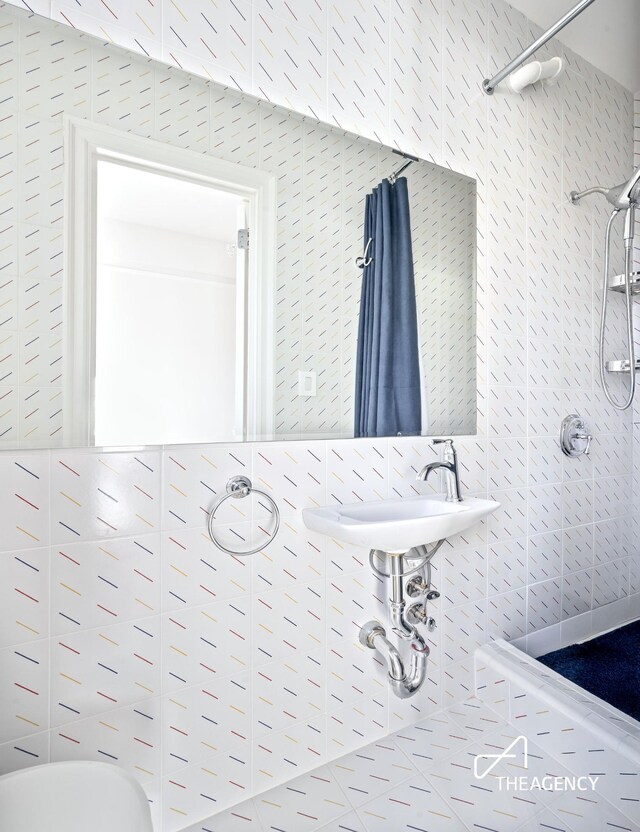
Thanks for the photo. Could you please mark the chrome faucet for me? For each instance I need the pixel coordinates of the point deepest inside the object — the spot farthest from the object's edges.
(448, 464)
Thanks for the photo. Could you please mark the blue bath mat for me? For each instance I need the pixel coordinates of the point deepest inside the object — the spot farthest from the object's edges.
(608, 666)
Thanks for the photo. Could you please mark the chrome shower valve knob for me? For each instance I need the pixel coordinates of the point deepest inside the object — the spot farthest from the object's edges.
(575, 440)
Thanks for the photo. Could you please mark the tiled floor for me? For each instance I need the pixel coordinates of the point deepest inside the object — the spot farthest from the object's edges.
(422, 780)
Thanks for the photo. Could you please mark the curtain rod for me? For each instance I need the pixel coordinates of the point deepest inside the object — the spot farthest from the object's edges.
(489, 84)
(410, 160)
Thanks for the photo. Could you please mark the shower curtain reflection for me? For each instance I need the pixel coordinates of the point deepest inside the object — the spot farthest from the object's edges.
(387, 394)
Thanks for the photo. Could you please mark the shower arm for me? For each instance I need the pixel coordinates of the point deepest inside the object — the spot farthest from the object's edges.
(489, 84)
(623, 197)
(576, 196)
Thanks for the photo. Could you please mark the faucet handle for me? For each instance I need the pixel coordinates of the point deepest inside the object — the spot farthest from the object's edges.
(449, 449)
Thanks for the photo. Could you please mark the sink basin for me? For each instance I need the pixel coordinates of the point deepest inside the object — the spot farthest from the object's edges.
(398, 525)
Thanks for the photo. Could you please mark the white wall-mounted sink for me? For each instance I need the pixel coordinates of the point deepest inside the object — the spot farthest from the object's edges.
(398, 525)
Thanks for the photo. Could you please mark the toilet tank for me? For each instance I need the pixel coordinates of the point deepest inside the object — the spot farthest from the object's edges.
(73, 797)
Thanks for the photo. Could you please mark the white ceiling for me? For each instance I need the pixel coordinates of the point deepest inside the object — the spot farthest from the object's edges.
(607, 33)
(159, 201)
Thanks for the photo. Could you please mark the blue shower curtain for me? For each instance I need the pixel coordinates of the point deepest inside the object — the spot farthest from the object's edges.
(387, 396)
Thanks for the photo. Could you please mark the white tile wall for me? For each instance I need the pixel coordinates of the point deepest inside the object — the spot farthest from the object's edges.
(123, 619)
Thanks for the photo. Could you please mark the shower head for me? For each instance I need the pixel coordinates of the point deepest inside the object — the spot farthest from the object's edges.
(627, 194)
(620, 196)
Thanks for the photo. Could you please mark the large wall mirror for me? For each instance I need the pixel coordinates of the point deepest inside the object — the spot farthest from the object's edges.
(279, 280)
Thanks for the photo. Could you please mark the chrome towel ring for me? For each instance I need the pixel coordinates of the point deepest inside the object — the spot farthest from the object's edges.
(239, 487)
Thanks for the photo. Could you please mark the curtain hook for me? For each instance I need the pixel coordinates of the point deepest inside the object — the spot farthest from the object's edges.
(363, 261)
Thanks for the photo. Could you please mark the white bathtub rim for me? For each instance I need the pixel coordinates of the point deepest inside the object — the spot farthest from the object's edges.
(612, 726)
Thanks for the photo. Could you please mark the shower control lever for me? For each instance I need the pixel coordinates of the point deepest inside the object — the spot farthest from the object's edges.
(575, 440)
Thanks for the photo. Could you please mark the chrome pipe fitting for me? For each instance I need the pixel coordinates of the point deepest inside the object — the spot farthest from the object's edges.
(397, 603)
(404, 682)
(414, 679)
(374, 636)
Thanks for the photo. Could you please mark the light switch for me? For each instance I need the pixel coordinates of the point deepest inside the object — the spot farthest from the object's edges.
(306, 384)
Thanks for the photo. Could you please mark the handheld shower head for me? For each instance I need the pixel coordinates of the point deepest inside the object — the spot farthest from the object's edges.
(626, 195)
(626, 198)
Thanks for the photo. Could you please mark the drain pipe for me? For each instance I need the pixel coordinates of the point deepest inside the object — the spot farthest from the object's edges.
(397, 602)
(403, 684)
(373, 635)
